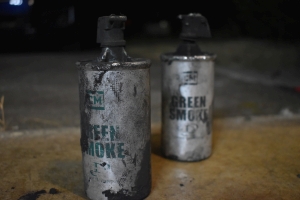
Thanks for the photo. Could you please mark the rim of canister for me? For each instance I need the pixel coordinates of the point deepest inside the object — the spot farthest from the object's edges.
(96, 65)
(172, 57)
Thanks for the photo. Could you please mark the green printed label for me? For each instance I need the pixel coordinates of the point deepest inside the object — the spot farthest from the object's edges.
(104, 142)
(96, 100)
(190, 78)
(191, 108)
(106, 149)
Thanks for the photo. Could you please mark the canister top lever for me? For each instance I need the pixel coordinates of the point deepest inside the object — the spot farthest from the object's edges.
(193, 26)
(110, 30)
(110, 35)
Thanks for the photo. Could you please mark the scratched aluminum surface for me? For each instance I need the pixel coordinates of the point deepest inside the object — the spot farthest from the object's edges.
(115, 130)
(187, 99)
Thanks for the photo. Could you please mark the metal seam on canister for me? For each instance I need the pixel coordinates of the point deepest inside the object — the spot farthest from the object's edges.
(172, 57)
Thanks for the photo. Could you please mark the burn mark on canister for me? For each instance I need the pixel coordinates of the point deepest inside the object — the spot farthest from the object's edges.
(134, 160)
(205, 118)
(126, 153)
(123, 161)
(123, 179)
(120, 195)
(131, 159)
(143, 180)
(85, 121)
(98, 78)
(209, 120)
(145, 104)
(84, 134)
(208, 127)
(117, 89)
(134, 91)
(97, 137)
(103, 164)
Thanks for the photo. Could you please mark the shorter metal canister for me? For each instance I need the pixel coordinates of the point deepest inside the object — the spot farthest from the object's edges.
(187, 94)
(114, 91)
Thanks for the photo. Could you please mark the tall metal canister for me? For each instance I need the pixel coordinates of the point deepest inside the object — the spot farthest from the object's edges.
(187, 94)
(114, 92)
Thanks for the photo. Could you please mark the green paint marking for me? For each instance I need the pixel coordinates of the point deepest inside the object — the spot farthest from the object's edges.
(99, 150)
(110, 150)
(120, 150)
(96, 100)
(104, 131)
(91, 149)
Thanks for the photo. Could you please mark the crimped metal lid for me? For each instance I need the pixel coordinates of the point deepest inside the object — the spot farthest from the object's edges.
(96, 65)
(171, 57)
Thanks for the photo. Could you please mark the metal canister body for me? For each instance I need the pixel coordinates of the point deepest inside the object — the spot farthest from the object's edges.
(187, 103)
(115, 128)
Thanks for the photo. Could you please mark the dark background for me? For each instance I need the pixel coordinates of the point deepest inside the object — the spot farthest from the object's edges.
(51, 25)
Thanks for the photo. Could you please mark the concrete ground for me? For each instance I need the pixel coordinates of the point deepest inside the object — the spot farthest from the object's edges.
(256, 129)
(257, 159)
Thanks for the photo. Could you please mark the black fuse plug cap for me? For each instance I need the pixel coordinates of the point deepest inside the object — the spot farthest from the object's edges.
(194, 26)
(110, 31)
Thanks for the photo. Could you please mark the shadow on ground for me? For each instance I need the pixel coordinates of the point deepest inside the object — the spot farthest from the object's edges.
(66, 174)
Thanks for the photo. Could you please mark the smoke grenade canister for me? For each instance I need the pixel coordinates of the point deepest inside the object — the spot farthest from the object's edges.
(114, 91)
(187, 94)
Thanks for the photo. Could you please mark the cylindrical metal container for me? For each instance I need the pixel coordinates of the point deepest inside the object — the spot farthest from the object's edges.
(187, 99)
(115, 127)
(187, 95)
